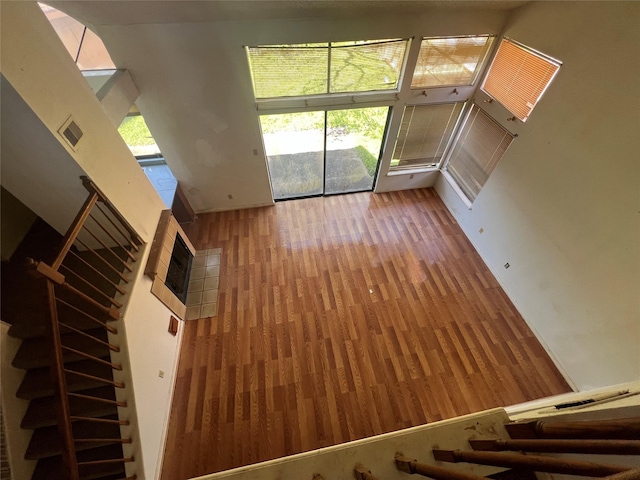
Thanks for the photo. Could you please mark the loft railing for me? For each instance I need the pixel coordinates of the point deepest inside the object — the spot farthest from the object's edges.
(85, 290)
(602, 437)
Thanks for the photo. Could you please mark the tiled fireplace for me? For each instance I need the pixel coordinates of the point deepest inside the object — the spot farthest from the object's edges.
(169, 264)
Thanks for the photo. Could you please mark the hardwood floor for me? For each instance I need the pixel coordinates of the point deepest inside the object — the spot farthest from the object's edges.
(341, 318)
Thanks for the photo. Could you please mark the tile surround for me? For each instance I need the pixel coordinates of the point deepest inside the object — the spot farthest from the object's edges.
(159, 258)
(202, 299)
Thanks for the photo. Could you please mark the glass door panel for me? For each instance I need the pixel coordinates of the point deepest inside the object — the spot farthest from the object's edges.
(354, 139)
(294, 144)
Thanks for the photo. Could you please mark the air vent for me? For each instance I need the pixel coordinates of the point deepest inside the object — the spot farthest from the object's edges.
(71, 132)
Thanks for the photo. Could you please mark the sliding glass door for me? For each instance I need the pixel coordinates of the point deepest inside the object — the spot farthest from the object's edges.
(327, 152)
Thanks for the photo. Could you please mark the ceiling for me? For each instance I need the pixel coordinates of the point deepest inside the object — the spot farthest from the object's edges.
(117, 12)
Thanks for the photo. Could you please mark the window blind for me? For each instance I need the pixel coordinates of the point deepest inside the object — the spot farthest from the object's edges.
(424, 134)
(450, 61)
(288, 71)
(479, 148)
(325, 68)
(518, 77)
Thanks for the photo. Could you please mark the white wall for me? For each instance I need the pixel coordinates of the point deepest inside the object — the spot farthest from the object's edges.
(562, 206)
(197, 98)
(38, 67)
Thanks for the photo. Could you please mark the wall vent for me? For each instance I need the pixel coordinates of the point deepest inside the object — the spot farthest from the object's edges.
(71, 132)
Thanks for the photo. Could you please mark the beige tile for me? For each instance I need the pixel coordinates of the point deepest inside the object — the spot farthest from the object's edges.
(201, 253)
(212, 271)
(214, 251)
(172, 230)
(165, 256)
(193, 313)
(162, 272)
(210, 283)
(209, 310)
(213, 260)
(181, 310)
(166, 296)
(157, 288)
(197, 273)
(196, 285)
(210, 296)
(194, 298)
(198, 262)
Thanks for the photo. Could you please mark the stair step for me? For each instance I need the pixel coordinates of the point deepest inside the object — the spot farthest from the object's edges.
(51, 468)
(42, 411)
(37, 382)
(35, 352)
(46, 442)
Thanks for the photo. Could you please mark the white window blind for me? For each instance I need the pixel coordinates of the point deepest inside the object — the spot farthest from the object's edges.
(479, 148)
(324, 68)
(518, 77)
(424, 134)
(450, 61)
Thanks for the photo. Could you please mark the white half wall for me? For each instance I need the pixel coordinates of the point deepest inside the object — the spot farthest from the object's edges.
(45, 79)
(562, 207)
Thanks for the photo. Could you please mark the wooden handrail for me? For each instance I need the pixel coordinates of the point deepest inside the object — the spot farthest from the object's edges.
(599, 447)
(111, 300)
(60, 386)
(92, 187)
(55, 280)
(407, 465)
(74, 230)
(121, 290)
(535, 463)
(621, 429)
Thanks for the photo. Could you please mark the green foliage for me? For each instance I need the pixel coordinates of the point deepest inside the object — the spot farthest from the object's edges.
(135, 132)
(370, 162)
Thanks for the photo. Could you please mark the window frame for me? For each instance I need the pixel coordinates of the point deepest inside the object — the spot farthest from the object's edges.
(453, 181)
(427, 166)
(533, 52)
(481, 64)
(327, 96)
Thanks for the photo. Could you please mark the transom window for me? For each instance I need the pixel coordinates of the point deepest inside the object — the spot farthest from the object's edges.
(518, 76)
(450, 61)
(425, 132)
(325, 68)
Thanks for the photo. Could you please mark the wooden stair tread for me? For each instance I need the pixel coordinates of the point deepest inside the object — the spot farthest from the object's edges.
(51, 467)
(35, 352)
(42, 411)
(46, 442)
(37, 381)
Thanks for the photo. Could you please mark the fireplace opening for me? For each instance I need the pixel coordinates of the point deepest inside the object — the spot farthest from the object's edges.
(179, 269)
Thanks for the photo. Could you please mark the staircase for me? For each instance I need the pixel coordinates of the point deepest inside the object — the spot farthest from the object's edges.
(62, 297)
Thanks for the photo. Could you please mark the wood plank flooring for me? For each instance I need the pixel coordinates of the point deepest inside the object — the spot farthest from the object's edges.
(341, 318)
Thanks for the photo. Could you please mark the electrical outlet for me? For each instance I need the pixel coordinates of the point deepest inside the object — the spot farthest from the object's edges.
(161, 373)
(481, 230)
(506, 265)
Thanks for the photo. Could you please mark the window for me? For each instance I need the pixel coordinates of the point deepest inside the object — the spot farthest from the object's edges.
(480, 146)
(323, 68)
(424, 134)
(450, 61)
(518, 76)
(84, 46)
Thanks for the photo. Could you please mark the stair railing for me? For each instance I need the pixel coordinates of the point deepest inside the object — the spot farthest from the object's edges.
(85, 280)
(593, 437)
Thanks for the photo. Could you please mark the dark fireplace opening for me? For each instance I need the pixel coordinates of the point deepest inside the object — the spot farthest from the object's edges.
(179, 269)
